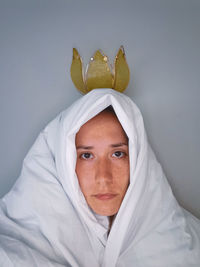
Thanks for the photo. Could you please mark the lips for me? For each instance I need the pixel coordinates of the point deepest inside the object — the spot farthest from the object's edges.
(106, 196)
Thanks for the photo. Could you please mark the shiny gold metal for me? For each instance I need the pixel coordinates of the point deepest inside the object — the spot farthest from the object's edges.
(122, 74)
(98, 72)
(77, 72)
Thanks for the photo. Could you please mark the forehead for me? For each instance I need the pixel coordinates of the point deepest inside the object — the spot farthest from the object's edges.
(105, 124)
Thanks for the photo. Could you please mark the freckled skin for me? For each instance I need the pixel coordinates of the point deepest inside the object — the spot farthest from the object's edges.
(102, 165)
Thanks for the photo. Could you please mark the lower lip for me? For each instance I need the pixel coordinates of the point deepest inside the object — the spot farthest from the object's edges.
(105, 196)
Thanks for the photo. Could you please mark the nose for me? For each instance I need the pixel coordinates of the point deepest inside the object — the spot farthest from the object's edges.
(103, 173)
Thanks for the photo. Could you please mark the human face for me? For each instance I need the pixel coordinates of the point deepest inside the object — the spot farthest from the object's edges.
(102, 163)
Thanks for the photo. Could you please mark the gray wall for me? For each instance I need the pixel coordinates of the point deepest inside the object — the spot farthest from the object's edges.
(162, 42)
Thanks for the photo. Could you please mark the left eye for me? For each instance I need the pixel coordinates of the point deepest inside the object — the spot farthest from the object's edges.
(118, 154)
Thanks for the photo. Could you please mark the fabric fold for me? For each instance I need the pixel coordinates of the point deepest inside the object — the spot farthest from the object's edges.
(45, 220)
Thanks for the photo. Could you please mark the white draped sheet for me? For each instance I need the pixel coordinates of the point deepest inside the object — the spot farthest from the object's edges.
(45, 220)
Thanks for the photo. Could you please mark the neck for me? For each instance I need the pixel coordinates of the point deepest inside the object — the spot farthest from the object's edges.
(111, 219)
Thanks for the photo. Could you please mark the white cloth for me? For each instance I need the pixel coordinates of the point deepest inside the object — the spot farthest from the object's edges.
(45, 221)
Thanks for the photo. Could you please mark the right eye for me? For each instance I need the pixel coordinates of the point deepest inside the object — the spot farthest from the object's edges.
(86, 155)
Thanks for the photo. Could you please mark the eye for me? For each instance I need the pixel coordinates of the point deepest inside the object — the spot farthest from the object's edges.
(118, 154)
(86, 155)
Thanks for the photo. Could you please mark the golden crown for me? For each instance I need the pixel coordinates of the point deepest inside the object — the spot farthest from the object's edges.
(99, 73)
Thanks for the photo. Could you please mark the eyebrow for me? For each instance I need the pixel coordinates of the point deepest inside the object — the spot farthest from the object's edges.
(84, 147)
(91, 147)
(119, 144)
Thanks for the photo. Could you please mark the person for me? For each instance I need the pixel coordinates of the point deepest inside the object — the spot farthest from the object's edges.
(102, 165)
(92, 193)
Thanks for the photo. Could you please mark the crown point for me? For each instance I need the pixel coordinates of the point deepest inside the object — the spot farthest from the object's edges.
(77, 71)
(122, 75)
(75, 53)
(122, 48)
(121, 52)
(98, 72)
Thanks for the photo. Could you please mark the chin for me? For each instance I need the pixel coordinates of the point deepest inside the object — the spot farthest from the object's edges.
(106, 212)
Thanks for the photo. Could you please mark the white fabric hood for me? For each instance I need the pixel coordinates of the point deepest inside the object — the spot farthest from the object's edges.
(45, 221)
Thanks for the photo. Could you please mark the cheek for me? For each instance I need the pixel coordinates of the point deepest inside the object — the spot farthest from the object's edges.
(85, 175)
(121, 173)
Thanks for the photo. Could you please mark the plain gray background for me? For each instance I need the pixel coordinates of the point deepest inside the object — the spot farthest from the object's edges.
(162, 43)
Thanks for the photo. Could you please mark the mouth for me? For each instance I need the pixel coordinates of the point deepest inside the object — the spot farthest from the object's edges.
(107, 196)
